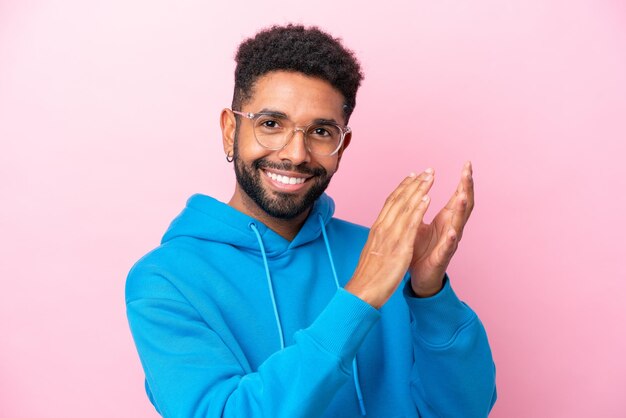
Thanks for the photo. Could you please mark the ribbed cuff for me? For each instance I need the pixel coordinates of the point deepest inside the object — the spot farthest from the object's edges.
(437, 318)
(342, 326)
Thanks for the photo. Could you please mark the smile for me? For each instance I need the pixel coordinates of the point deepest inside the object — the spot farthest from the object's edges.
(285, 179)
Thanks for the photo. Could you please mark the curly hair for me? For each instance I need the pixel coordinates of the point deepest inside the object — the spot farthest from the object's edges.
(296, 48)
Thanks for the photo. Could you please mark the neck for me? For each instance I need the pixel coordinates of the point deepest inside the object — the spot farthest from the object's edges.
(286, 228)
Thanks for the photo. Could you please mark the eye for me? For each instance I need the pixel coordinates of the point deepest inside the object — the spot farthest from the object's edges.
(320, 131)
(324, 132)
(269, 124)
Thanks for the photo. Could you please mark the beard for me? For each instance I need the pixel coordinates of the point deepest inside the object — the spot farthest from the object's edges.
(276, 204)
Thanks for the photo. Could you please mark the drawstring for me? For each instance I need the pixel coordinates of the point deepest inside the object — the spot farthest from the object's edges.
(355, 369)
(269, 284)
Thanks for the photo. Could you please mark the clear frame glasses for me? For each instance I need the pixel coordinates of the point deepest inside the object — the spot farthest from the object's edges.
(274, 131)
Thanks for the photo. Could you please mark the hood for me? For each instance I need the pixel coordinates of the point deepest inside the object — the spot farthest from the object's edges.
(209, 219)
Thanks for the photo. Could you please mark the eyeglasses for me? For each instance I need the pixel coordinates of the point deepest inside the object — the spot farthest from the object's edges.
(274, 131)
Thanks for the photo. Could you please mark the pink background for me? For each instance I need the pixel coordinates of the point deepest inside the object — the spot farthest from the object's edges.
(109, 121)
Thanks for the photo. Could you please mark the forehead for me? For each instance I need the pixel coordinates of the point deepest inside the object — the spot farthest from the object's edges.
(300, 96)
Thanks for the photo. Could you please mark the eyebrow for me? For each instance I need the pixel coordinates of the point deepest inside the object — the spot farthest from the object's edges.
(283, 115)
(272, 112)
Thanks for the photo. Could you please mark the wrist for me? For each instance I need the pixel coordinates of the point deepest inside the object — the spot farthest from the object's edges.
(361, 292)
(426, 291)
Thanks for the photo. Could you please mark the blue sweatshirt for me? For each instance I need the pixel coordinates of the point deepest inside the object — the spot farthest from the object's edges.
(232, 320)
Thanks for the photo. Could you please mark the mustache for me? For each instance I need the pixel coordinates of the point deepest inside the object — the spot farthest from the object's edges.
(302, 169)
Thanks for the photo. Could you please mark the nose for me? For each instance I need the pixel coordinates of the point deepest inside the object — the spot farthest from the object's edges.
(295, 150)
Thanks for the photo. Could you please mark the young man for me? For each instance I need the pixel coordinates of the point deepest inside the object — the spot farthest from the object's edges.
(268, 306)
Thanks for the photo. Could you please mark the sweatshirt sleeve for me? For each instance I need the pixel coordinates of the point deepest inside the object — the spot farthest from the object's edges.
(191, 372)
(453, 373)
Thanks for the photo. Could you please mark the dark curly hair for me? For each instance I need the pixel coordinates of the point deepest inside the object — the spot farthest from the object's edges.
(296, 48)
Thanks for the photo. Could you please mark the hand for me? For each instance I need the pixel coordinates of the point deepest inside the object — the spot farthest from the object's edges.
(436, 243)
(390, 245)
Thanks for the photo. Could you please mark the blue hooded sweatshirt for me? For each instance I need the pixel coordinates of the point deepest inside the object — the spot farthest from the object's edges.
(232, 320)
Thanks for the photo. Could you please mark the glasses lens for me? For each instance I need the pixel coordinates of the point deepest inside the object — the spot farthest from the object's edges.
(323, 139)
(270, 131)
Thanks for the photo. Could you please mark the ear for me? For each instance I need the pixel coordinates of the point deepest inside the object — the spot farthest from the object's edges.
(346, 142)
(228, 123)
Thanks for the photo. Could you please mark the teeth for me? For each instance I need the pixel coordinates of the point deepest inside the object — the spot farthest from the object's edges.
(285, 179)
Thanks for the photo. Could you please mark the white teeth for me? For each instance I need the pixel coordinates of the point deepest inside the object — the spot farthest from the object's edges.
(285, 179)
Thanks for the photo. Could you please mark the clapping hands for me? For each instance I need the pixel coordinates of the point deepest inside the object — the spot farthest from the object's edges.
(399, 240)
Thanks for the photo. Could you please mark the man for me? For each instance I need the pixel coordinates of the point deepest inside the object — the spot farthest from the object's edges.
(268, 306)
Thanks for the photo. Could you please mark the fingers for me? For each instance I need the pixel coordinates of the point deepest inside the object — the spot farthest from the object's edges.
(406, 197)
(391, 199)
(466, 186)
(460, 214)
(409, 219)
(446, 248)
(461, 203)
(409, 207)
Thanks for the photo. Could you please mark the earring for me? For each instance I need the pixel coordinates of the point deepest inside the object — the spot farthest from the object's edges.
(229, 157)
